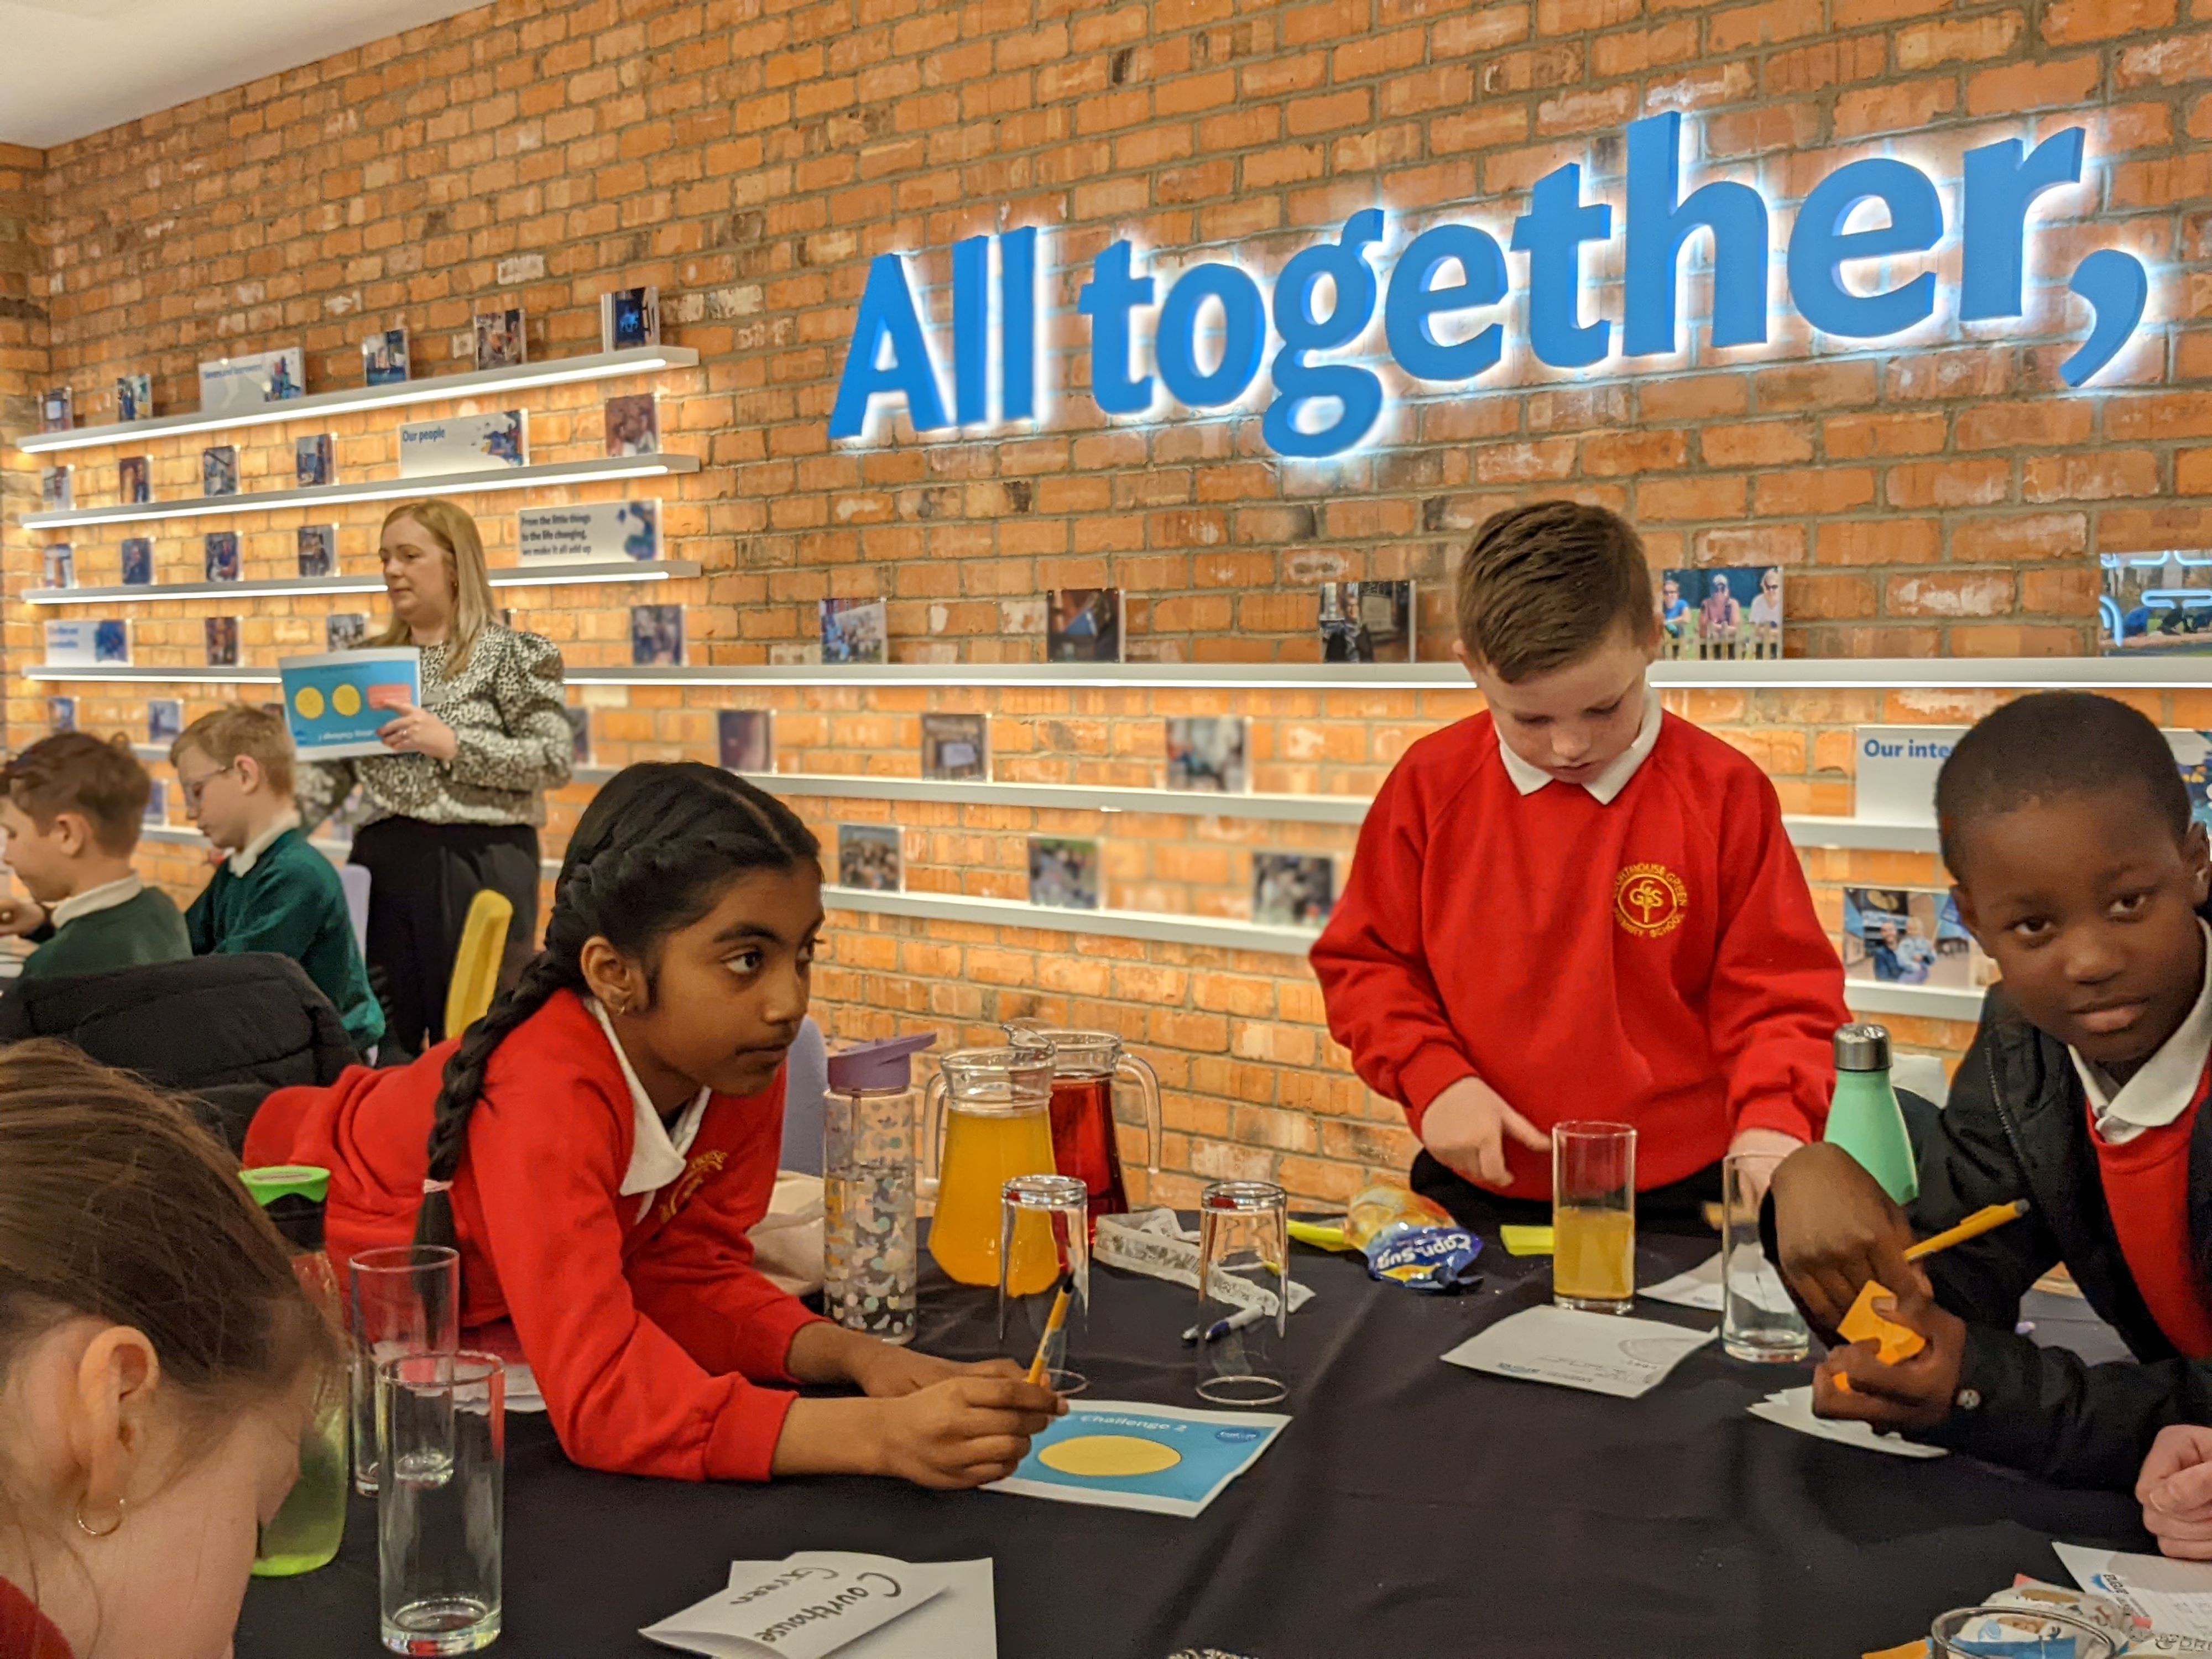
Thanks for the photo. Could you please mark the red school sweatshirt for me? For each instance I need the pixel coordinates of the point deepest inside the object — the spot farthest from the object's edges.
(648, 1333)
(1653, 961)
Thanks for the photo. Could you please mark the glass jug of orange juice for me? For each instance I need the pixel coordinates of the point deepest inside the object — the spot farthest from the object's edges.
(989, 1118)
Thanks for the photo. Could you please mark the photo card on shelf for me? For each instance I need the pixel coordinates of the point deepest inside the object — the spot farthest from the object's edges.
(589, 532)
(59, 561)
(2154, 602)
(383, 359)
(1206, 752)
(221, 641)
(855, 631)
(58, 487)
(1083, 624)
(165, 720)
(656, 636)
(57, 409)
(61, 714)
(110, 641)
(868, 856)
(344, 629)
(220, 556)
(134, 396)
(630, 317)
(1910, 936)
(632, 424)
(157, 801)
(314, 461)
(501, 340)
(1721, 613)
(318, 550)
(88, 643)
(745, 739)
(1065, 872)
(1292, 890)
(230, 384)
(137, 562)
(955, 748)
(219, 469)
(1367, 622)
(134, 485)
(580, 733)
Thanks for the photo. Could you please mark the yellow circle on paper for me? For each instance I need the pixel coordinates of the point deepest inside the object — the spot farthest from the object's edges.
(1108, 1456)
(346, 699)
(309, 703)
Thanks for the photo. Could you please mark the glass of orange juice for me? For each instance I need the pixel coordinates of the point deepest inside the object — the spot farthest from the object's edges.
(1594, 1216)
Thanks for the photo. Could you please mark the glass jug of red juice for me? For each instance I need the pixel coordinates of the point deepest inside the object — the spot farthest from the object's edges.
(1085, 1067)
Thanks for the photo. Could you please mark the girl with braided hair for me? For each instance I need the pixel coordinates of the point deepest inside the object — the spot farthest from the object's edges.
(599, 1145)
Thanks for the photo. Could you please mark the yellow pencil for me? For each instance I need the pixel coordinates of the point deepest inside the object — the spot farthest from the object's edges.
(1053, 1322)
(1981, 1221)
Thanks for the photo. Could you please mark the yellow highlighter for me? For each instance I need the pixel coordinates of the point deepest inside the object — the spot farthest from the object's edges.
(1895, 1342)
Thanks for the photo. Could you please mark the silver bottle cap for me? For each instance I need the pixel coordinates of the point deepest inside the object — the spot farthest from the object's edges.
(1862, 1049)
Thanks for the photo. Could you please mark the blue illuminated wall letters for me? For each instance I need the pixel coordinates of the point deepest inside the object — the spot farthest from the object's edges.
(1317, 407)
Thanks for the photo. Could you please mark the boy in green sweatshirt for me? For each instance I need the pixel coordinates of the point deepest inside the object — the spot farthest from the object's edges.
(275, 892)
(71, 806)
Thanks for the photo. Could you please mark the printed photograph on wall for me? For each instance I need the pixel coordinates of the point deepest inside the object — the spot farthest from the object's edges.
(633, 425)
(1720, 613)
(580, 733)
(219, 469)
(1910, 936)
(854, 630)
(219, 555)
(57, 409)
(1292, 890)
(221, 641)
(165, 718)
(868, 856)
(60, 565)
(1206, 752)
(137, 562)
(313, 462)
(656, 636)
(57, 489)
(629, 318)
(134, 396)
(2154, 602)
(1064, 874)
(501, 340)
(1083, 624)
(1367, 622)
(344, 629)
(157, 801)
(954, 747)
(133, 481)
(384, 357)
(746, 738)
(61, 713)
(318, 550)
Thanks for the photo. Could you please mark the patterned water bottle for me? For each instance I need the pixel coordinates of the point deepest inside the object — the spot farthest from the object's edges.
(871, 1257)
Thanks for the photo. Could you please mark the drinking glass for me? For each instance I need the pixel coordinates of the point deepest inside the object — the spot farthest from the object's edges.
(1594, 1216)
(1758, 1321)
(1243, 1303)
(1044, 1223)
(403, 1300)
(440, 1509)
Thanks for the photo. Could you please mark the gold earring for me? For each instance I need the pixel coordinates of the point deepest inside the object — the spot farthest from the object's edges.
(110, 1531)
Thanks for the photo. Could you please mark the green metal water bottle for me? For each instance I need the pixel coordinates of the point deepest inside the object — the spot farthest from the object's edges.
(306, 1531)
(1864, 1119)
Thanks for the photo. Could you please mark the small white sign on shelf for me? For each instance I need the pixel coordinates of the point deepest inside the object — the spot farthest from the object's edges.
(1897, 769)
(589, 533)
(465, 443)
(88, 644)
(233, 385)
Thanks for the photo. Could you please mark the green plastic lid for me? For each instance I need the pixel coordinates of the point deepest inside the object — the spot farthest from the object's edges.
(276, 1181)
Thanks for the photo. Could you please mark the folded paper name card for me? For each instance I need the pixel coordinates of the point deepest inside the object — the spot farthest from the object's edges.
(806, 1608)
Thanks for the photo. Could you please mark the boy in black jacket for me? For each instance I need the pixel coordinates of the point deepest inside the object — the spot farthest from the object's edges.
(2066, 826)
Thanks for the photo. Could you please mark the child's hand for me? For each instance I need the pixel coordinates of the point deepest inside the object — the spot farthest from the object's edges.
(885, 1372)
(1835, 1228)
(2175, 1491)
(19, 916)
(1762, 1143)
(965, 1432)
(1465, 1128)
(1913, 1393)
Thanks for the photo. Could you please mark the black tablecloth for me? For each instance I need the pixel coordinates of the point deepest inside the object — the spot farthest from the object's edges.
(1411, 1508)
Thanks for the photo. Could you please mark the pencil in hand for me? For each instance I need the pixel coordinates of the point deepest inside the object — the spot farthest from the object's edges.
(1053, 1324)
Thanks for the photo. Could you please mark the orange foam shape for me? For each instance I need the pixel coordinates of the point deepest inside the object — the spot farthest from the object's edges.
(1893, 1342)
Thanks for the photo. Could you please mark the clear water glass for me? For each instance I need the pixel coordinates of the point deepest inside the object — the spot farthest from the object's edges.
(1243, 1297)
(1758, 1321)
(403, 1300)
(1044, 1236)
(441, 1424)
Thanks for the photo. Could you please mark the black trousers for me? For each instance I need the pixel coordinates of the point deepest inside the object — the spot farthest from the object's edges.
(1679, 1208)
(422, 877)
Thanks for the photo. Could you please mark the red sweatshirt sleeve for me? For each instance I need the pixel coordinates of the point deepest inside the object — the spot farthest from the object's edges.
(624, 1393)
(1372, 959)
(1777, 985)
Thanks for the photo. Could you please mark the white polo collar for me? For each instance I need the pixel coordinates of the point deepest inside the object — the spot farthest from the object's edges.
(2160, 1092)
(1606, 784)
(242, 861)
(106, 897)
(657, 1152)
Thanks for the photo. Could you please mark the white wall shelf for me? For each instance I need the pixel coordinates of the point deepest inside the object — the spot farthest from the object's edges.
(596, 470)
(551, 576)
(1079, 798)
(599, 366)
(1118, 924)
(1859, 835)
(1793, 674)
(1925, 1001)
(108, 673)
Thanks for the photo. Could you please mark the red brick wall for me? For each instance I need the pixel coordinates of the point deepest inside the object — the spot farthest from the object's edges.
(23, 348)
(1945, 498)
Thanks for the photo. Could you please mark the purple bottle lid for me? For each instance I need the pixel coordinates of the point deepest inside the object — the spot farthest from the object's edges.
(885, 1063)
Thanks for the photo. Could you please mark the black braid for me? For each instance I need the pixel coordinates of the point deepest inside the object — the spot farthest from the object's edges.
(650, 855)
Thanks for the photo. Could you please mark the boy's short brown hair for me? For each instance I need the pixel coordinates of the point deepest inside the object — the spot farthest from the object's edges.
(242, 729)
(1541, 585)
(76, 772)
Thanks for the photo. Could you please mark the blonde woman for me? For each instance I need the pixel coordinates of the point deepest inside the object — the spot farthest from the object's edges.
(455, 806)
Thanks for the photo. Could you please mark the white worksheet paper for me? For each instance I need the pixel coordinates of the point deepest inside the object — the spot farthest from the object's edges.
(1793, 1409)
(1701, 1287)
(1605, 1353)
(831, 1602)
(2175, 1596)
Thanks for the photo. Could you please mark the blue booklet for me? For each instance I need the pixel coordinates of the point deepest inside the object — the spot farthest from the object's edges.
(335, 704)
(1123, 1455)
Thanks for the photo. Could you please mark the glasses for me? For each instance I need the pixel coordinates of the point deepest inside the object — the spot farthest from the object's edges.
(405, 1300)
(441, 1516)
(1594, 1216)
(1044, 1236)
(1243, 1294)
(1758, 1321)
(193, 788)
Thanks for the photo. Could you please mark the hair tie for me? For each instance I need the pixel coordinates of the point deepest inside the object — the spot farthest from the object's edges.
(431, 1186)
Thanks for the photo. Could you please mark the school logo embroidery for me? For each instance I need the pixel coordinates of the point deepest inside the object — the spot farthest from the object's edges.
(694, 1177)
(1649, 900)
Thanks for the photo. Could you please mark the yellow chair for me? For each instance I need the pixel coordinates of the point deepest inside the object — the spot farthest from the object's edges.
(476, 967)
